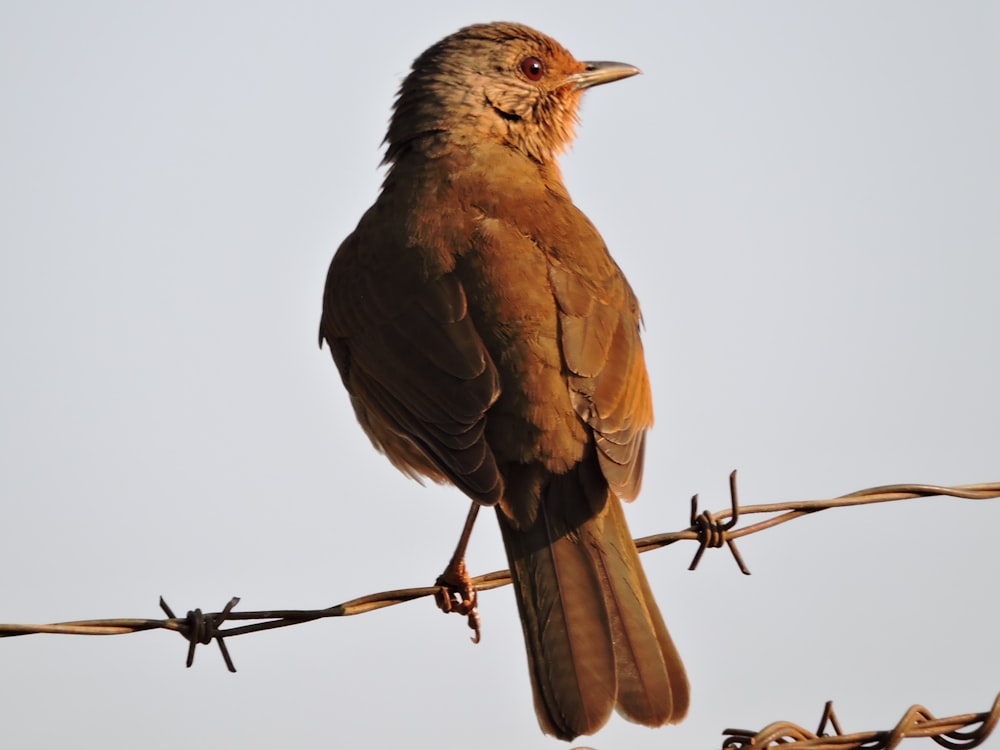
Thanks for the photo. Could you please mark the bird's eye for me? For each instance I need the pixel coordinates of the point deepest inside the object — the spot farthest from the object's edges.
(533, 68)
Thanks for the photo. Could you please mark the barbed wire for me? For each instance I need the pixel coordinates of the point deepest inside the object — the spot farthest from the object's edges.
(961, 732)
(709, 529)
(712, 530)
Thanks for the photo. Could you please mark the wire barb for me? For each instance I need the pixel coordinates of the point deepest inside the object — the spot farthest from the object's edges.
(955, 732)
(828, 717)
(712, 532)
(199, 628)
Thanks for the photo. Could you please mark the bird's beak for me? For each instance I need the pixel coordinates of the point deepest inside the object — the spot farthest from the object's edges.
(597, 73)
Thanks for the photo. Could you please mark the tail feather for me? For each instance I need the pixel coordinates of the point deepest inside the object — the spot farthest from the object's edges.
(594, 635)
(652, 684)
(566, 630)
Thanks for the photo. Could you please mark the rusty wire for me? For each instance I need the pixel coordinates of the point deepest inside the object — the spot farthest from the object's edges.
(713, 529)
(954, 732)
(709, 529)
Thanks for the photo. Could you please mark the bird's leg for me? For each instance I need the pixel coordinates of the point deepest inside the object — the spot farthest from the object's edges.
(456, 592)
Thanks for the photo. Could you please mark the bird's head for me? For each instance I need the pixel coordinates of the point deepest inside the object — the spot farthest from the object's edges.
(503, 82)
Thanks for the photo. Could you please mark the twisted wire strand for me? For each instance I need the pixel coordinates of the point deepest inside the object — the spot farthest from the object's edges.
(710, 530)
(961, 732)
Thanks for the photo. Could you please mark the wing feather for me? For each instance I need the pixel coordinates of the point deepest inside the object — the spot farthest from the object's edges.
(420, 378)
(599, 332)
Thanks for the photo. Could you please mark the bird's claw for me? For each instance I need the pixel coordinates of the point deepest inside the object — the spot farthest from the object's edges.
(457, 594)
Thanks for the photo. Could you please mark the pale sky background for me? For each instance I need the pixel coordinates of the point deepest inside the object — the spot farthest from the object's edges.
(806, 198)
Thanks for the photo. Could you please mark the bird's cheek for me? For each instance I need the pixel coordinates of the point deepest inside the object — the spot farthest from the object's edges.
(510, 103)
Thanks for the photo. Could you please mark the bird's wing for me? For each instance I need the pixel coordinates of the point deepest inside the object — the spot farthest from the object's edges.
(599, 330)
(419, 376)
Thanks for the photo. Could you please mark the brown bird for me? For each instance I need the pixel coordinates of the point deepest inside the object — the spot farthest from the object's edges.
(488, 339)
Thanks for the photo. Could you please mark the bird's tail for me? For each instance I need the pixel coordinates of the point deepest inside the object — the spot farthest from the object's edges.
(594, 635)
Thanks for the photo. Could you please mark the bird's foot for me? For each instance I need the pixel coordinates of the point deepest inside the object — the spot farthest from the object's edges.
(457, 594)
